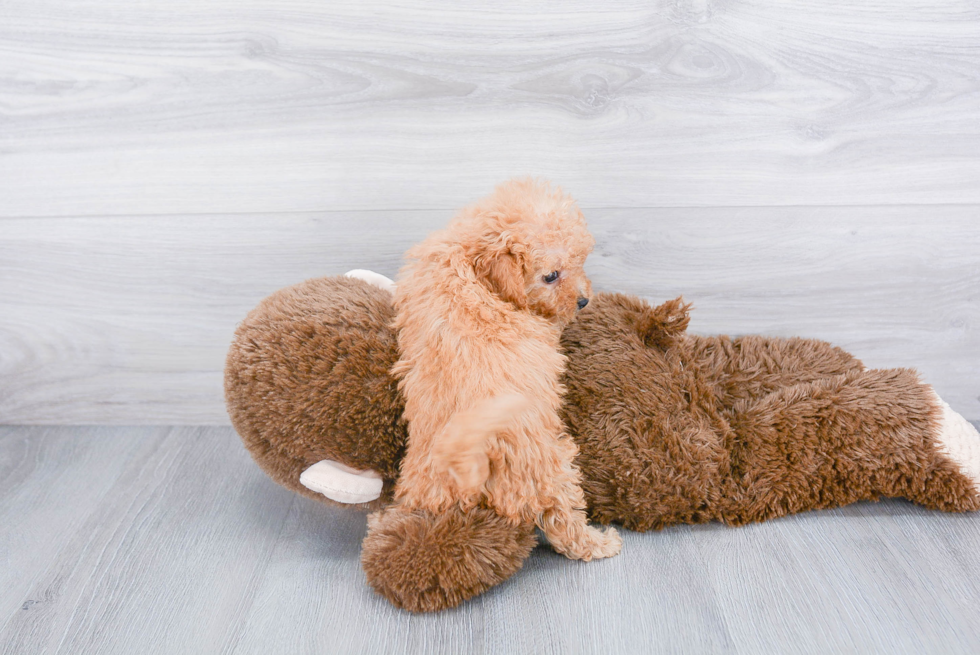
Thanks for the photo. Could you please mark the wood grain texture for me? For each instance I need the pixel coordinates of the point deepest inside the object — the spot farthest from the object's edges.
(166, 540)
(115, 108)
(127, 321)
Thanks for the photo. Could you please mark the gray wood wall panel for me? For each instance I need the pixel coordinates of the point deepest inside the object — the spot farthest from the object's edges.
(120, 108)
(164, 167)
(170, 540)
(127, 321)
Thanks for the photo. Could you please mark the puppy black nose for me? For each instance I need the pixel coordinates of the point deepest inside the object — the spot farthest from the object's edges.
(582, 302)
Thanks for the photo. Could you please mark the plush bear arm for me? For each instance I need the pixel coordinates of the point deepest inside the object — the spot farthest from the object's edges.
(425, 562)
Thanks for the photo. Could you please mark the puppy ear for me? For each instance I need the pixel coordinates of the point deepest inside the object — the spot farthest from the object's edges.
(659, 326)
(503, 272)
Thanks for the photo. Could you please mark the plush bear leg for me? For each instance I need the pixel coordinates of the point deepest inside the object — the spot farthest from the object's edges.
(857, 436)
(424, 562)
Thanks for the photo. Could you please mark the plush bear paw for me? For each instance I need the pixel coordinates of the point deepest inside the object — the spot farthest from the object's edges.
(425, 562)
(341, 483)
(960, 441)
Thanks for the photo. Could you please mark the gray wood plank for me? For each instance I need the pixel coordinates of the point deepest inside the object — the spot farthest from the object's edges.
(861, 593)
(53, 480)
(165, 561)
(127, 320)
(164, 540)
(119, 108)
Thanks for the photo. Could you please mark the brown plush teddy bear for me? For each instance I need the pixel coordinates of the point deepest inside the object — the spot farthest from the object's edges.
(671, 428)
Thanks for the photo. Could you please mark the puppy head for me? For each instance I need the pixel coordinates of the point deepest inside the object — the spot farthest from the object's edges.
(528, 242)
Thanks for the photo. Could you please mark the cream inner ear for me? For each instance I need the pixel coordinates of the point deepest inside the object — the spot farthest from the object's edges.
(372, 278)
(342, 483)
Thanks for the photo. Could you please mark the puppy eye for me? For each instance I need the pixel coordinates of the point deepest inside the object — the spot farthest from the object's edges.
(551, 277)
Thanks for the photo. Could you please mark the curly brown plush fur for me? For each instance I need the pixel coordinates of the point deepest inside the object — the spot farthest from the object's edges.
(671, 428)
(424, 562)
(675, 428)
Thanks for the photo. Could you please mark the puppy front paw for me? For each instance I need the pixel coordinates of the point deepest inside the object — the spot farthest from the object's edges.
(586, 543)
(603, 543)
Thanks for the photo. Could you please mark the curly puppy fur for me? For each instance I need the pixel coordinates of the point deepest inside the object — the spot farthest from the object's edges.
(480, 310)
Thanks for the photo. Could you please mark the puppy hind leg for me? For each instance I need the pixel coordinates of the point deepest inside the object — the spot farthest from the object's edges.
(461, 450)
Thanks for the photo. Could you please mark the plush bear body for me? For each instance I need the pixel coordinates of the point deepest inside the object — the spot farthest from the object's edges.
(675, 428)
(671, 428)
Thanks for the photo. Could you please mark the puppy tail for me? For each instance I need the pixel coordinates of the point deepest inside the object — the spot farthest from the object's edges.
(461, 449)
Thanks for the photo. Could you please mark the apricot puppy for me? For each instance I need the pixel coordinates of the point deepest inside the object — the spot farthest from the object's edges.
(480, 309)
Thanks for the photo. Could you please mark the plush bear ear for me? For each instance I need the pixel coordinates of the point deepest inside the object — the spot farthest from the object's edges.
(659, 326)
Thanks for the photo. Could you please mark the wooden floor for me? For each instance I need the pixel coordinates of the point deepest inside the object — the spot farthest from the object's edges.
(170, 540)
